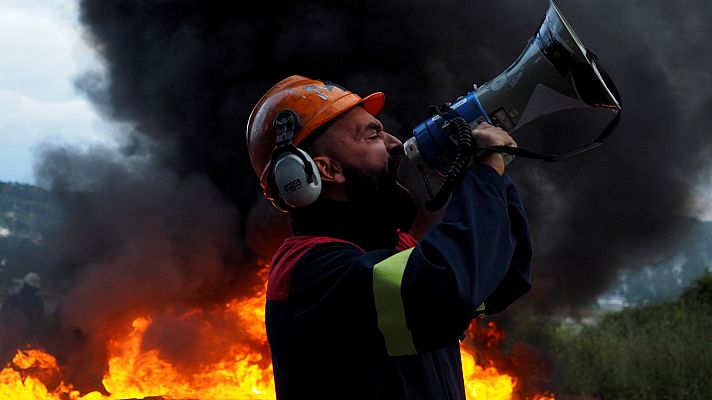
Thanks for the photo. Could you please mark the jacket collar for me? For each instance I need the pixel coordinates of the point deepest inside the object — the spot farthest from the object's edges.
(366, 227)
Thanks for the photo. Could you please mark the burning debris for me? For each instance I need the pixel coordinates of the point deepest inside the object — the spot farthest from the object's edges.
(229, 367)
(232, 360)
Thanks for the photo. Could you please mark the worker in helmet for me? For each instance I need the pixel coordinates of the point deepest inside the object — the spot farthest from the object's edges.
(356, 308)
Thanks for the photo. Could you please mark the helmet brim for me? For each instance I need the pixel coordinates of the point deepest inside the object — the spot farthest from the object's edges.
(373, 103)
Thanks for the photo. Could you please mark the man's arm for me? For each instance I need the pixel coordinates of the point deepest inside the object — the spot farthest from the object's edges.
(460, 262)
(422, 298)
(517, 282)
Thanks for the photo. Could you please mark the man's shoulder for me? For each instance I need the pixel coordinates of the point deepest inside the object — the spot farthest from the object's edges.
(296, 246)
(286, 257)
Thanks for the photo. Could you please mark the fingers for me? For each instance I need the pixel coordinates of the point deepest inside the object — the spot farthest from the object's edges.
(486, 135)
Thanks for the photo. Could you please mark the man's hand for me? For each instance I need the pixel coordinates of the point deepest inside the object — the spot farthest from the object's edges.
(487, 135)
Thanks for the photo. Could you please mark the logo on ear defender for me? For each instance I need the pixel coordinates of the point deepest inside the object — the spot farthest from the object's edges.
(293, 186)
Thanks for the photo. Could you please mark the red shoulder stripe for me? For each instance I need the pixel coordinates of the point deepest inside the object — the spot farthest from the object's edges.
(405, 241)
(283, 261)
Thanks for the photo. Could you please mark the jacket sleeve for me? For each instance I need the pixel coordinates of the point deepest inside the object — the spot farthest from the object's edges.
(421, 298)
(517, 281)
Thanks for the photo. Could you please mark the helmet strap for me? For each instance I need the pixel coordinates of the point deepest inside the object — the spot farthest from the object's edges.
(286, 123)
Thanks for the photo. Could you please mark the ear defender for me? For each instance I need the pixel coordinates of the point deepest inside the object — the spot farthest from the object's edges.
(293, 176)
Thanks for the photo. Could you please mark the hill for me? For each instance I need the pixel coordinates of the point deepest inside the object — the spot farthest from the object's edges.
(27, 214)
(25, 211)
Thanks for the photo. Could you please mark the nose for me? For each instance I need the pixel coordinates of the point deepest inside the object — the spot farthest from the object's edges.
(392, 142)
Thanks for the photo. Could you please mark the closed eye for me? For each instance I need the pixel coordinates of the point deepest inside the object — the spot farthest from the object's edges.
(374, 128)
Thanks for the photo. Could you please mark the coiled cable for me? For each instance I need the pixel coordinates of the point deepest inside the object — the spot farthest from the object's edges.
(457, 169)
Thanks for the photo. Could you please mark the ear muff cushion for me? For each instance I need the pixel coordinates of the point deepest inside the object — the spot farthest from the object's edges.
(294, 185)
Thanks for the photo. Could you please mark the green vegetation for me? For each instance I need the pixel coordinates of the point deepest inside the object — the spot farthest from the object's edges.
(661, 351)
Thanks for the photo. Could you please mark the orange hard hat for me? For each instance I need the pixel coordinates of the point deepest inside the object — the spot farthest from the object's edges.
(314, 102)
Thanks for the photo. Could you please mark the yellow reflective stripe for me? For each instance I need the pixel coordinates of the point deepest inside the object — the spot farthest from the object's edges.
(387, 278)
(481, 308)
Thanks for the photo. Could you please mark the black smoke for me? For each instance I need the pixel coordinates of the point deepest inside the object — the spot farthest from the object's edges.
(163, 220)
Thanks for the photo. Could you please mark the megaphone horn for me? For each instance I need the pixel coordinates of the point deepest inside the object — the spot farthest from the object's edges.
(554, 72)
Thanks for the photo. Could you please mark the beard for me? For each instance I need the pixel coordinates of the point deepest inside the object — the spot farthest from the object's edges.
(378, 190)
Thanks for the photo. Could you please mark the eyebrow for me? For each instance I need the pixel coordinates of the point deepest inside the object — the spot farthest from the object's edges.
(373, 125)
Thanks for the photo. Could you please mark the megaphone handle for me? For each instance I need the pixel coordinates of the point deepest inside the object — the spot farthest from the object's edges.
(508, 157)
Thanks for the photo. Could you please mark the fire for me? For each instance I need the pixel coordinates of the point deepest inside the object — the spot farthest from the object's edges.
(136, 374)
(484, 379)
(485, 382)
(241, 374)
(18, 384)
(242, 371)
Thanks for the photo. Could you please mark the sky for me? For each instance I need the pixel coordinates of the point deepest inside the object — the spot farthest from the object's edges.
(42, 53)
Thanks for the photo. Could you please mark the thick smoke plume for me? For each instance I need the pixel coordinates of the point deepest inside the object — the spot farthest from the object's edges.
(163, 221)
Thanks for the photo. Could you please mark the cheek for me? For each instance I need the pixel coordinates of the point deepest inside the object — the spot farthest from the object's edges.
(377, 157)
(379, 152)
(367, 155)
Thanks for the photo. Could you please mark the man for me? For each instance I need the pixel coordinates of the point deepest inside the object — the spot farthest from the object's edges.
(356, 309)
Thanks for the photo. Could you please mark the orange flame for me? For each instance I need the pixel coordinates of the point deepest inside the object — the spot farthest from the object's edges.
(241, 373)
(17, 384)
(485, 382)
(483, 378)
(133, 373)
(136, 374)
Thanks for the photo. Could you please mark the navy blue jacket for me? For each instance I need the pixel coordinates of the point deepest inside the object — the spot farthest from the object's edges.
(354, 313)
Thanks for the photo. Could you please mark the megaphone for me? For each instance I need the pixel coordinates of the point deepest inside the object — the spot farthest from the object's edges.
(555, 72)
